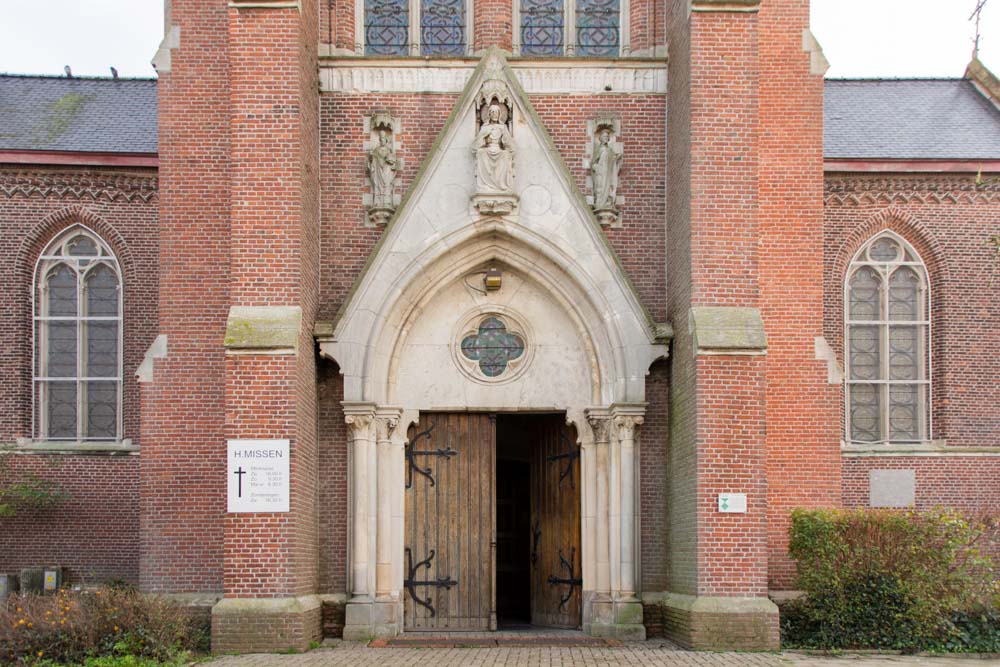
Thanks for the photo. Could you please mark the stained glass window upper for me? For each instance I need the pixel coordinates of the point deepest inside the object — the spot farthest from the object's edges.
(887, 347)
(492, 346)
(416, 27)
(77, 340)
(387, 26)
(442, 27)
(543, 25)
(598, 27)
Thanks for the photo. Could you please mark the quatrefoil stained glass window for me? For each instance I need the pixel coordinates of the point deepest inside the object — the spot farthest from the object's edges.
(492, 346)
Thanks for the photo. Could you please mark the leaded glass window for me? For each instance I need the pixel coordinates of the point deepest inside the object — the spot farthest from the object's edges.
(589, 28)
(78, 374)
(416, 27)
(387, 25)
(887, 344)
(442, 27)
(493, 346)
(597, 27)
(543, 25)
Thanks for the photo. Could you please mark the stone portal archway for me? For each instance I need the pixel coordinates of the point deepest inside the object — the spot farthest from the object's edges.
(410, 339)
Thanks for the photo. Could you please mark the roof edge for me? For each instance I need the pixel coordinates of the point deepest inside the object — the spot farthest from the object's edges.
(984, 80)
(80, 158)
(63, 77)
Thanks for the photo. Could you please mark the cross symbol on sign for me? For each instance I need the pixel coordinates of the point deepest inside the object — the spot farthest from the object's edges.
(239, 481)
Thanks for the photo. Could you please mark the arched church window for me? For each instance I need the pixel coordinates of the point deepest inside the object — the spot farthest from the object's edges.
(77, 340)
(887, 344)
(569, 27)
(416, 27)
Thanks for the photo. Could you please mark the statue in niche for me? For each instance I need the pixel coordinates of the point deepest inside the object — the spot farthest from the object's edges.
(605, 162)
(604, 170)
(494, 151)
(382, 167)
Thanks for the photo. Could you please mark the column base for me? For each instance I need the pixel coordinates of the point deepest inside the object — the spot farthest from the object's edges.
(721, 623)
(266, 625)
(620, 619)
(365, 620)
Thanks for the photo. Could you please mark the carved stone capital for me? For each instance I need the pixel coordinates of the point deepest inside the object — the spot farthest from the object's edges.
(385, 426)
(360, 420)
(626, 426)
(601, 426)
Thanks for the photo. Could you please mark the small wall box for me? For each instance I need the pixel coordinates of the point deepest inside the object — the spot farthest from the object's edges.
(53, 578)
(8, 585)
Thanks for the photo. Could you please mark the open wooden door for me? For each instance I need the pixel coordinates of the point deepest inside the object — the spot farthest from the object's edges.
(556, 579)
(450, 534)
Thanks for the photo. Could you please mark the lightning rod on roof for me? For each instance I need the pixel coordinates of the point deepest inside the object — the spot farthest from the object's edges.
(114, 73)
(976, 13)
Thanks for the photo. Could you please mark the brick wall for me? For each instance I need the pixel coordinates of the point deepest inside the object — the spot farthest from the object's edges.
(94, 533)
(803, 458)
(184, 454)
(653, 476)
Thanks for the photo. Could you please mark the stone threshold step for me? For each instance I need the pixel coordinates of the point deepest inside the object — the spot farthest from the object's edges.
(493, 642)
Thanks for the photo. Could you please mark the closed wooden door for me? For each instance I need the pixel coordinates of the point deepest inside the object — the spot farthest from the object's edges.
(556, 579)
(450, 535)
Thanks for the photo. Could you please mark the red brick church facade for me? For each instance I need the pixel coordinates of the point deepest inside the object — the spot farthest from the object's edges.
(245, 245)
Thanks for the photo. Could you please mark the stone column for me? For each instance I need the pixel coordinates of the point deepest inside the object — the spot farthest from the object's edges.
(387, 613)
(601, 613)
(360, 418)
(625, 427)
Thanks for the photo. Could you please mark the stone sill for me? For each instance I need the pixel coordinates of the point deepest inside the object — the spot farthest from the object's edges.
(26, 445)
(931, 448)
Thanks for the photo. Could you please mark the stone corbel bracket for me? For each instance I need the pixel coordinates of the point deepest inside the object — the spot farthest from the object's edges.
(379, 216)
(607, 217)
(263, 330)
(727, 330)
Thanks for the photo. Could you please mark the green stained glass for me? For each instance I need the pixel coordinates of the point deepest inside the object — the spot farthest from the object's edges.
(492, 346)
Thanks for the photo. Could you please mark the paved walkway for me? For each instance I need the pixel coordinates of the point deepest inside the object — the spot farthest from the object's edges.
(640, 654)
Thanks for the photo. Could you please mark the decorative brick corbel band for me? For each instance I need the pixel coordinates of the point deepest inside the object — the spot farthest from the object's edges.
(728, 330)
(263, 330)
(725, 5)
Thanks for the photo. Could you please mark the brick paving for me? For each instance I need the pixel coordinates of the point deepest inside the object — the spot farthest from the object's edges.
(639, 654)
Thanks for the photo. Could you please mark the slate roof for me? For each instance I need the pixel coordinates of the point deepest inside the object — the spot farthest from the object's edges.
(909, 119)
(48, 113)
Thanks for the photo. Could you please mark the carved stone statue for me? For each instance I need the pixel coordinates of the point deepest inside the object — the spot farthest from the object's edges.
(494, 151)
(382, 166)
(604, 165)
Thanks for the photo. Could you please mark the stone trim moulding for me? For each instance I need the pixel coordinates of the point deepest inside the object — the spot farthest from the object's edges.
(728, 330)
(884, 190)
(725, 5)
(157, 350)
(933, 449)
(266, 4)
(263, 330)
(354, 75)
(29, 446)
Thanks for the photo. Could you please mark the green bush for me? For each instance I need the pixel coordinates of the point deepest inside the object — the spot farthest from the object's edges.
(892, 580)
(109, 627)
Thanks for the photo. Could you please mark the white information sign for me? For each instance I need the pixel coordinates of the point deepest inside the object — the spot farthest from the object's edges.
(258, 479)
(733, 502)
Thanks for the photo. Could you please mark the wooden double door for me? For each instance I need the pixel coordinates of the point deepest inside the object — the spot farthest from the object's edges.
(492, 500)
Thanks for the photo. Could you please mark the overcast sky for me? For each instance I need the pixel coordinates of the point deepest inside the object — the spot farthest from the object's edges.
(861, 38)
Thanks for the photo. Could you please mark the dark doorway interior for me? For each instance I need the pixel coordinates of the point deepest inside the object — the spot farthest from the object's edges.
(537, 521)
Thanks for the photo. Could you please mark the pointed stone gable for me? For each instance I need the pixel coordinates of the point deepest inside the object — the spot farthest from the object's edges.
(548, 237)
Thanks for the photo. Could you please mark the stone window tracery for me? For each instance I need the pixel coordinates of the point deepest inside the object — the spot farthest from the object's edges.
(77, 340)
(887, 344)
